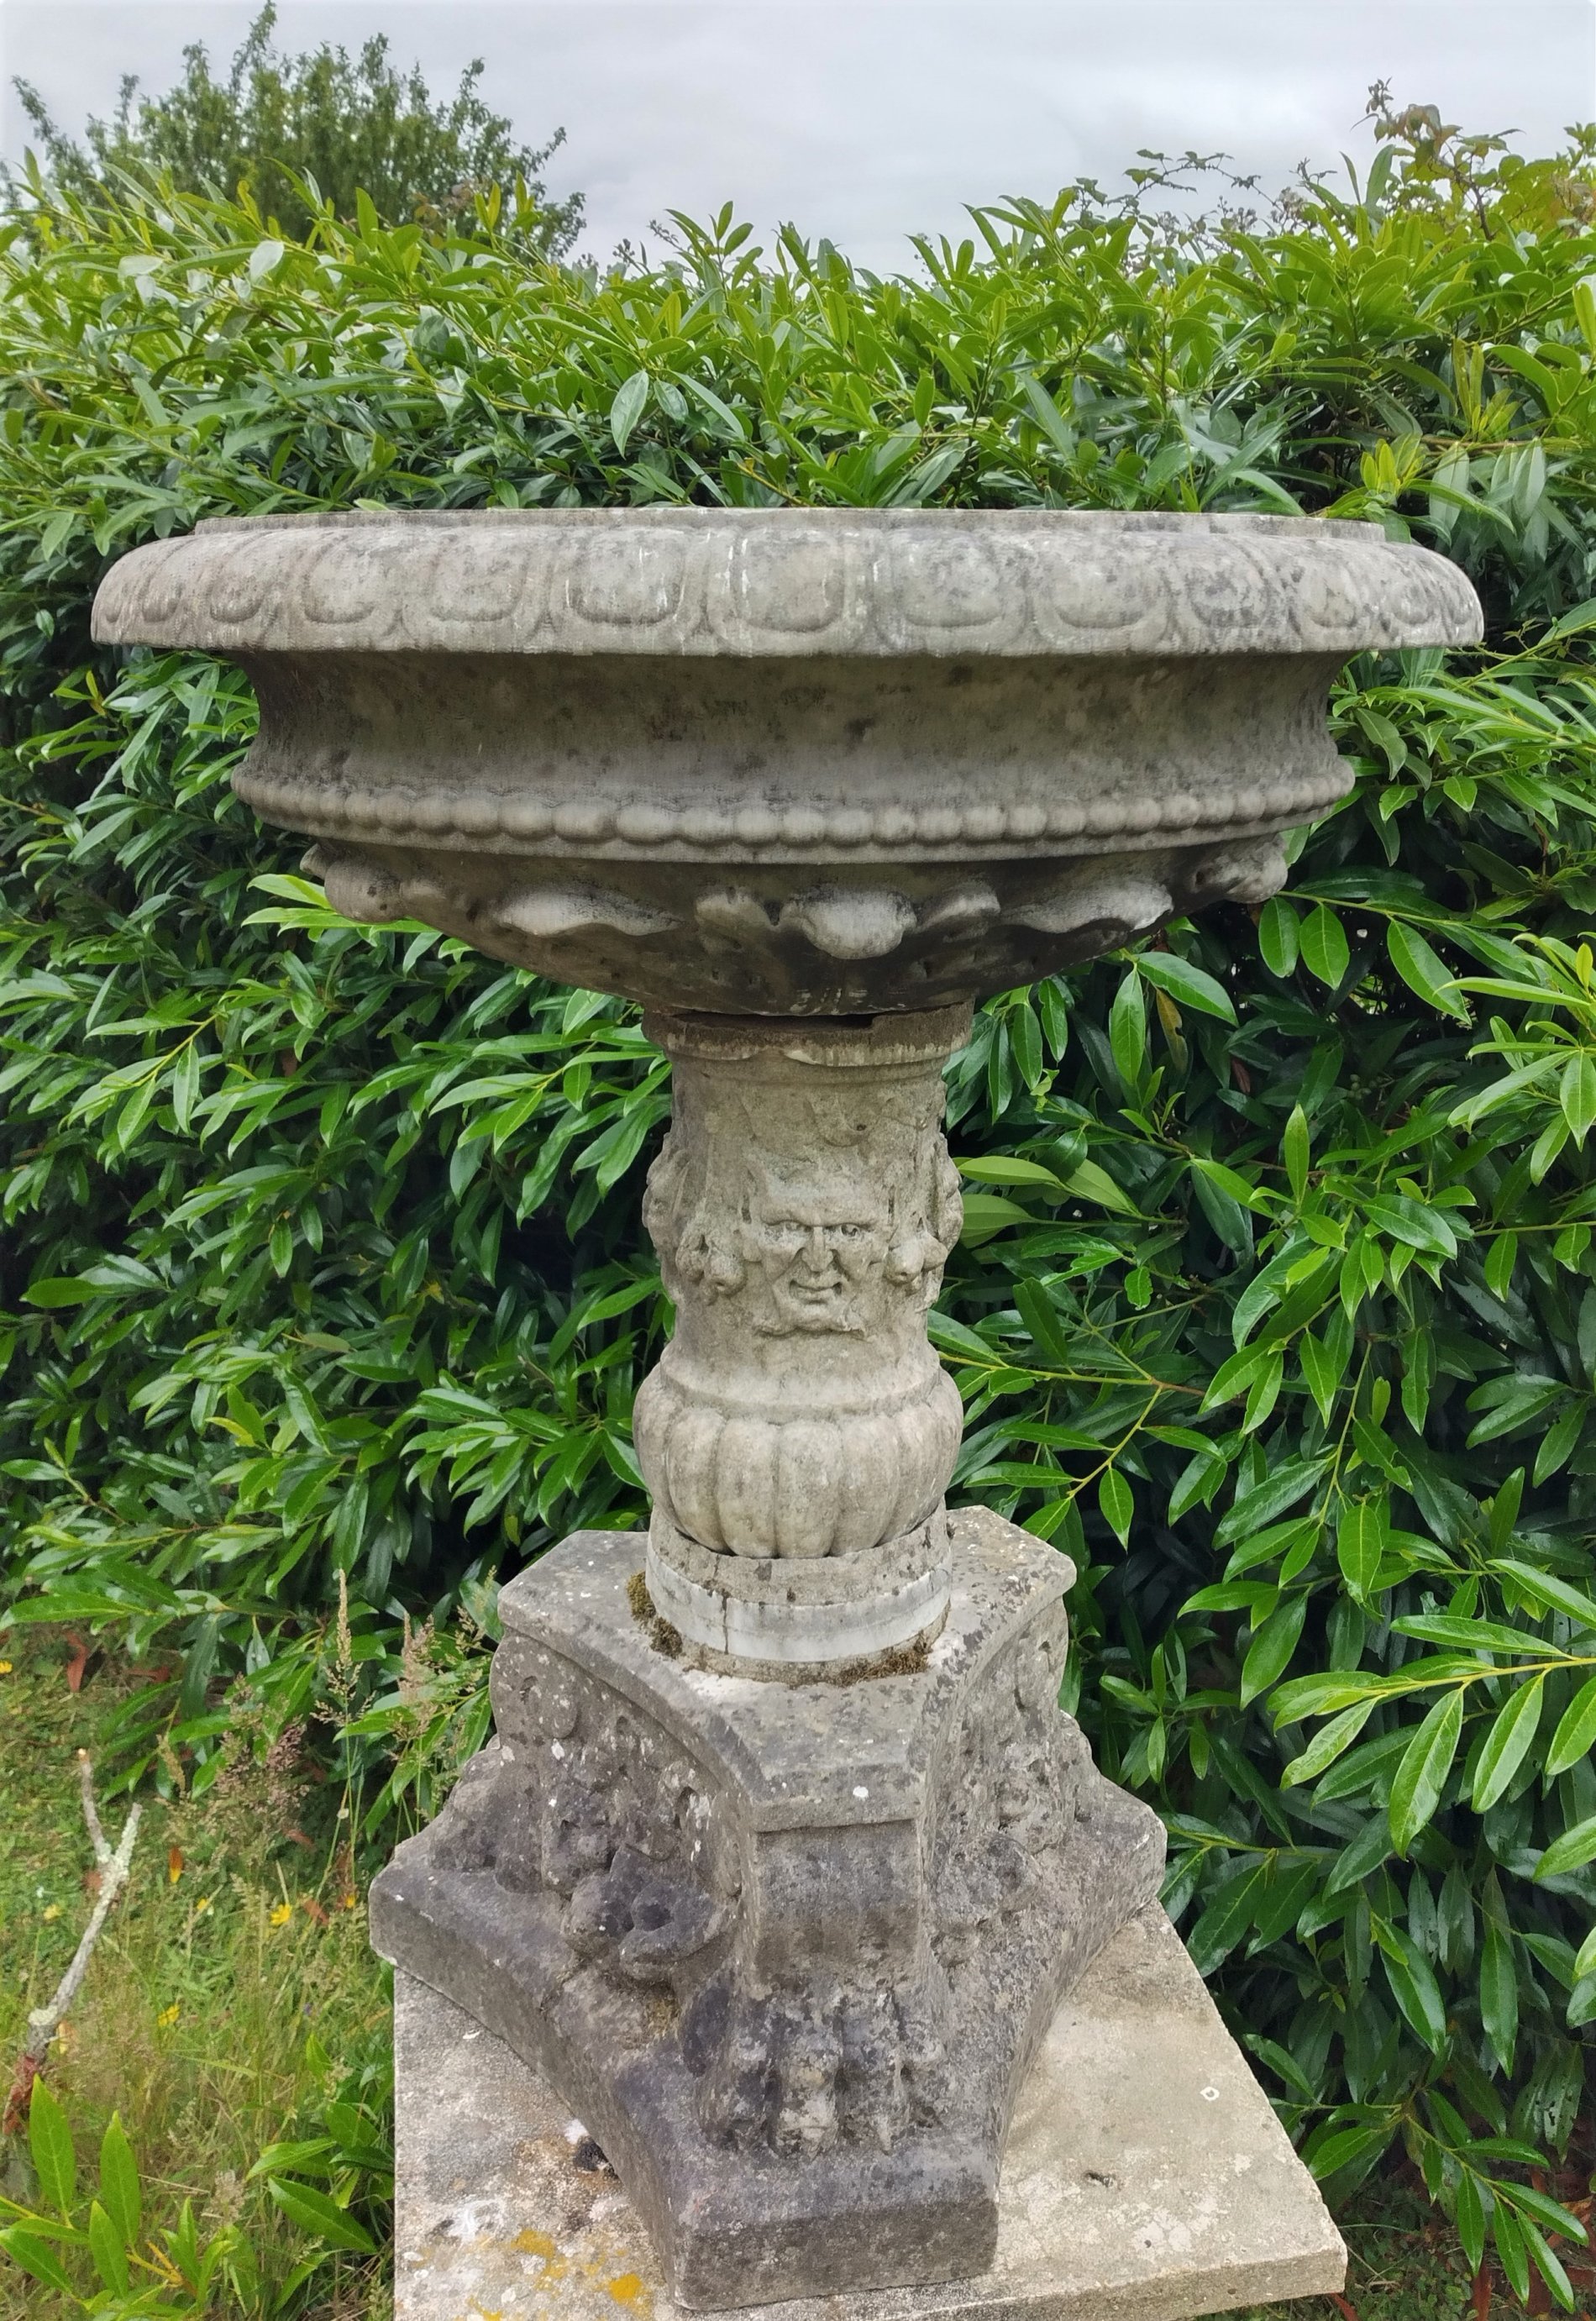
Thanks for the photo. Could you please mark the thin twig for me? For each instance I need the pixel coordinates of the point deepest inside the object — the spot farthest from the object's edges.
(44, 2022)
(91, 1814)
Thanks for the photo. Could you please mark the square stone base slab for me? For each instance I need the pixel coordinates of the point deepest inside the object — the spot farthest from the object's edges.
(1145, 2178)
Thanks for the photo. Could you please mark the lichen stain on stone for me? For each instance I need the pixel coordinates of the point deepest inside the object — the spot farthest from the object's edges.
(576, 2276)
(556, 2265)
(663, 1637)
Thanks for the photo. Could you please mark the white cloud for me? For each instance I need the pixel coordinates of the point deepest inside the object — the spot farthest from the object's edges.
(869, 120)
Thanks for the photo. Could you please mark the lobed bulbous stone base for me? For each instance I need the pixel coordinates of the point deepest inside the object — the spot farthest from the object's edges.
(788, 1951)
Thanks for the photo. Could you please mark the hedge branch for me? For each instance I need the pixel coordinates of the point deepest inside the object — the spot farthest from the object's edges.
(44, 2022)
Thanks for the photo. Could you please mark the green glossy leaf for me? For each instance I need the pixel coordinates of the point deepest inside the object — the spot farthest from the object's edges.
(1327, 1744)
(1506, 1745)
(627, 409)
(1270, 1653)
(1571, 1851)
(1088, 1182)
(1278, 936)
(1295, 1145)
(1321, 1695)
(1499, 1994)
(1361, 1537)
(1325, 952)
(1254, 1510)
(1560, 1441)
(1500, 1260)
(1422, 970)
(1545, 1588)
(1009, 1168)
(1575, 1736)
(1127, 1030)
(1236, 1376)
(1547, 2264)
(1470, 2216)
(1323, 1369)
(314, 2212)
(1117, 1502)
(1509, 2238)
(1188, 985)
(1345, 2148)
(49, 2145)
(1463, 1634)
(36, 2258)
(1413, 1985)
(1577, 1094)
(119, 2182)
(108, 2250)
(986, 1214)
(1226, 1920)
(1048, 415)
(1285, 2066)
(1421, 1777)
(1044, 1323)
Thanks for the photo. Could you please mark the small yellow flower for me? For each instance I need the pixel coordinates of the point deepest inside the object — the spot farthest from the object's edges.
(201, 1906)
(52, 1911)
(281, 1915)
(4, 1668)
(167, 2016)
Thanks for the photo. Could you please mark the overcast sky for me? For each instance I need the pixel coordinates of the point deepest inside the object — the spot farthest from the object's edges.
(869, 120)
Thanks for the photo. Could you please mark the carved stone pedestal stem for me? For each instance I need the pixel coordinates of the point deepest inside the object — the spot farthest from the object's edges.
(799, 1433)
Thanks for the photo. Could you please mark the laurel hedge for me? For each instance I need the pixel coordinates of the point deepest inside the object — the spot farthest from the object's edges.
(324, 1287)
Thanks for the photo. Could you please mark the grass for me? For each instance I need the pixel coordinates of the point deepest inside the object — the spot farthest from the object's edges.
(1404, 2265)
(232, 1994)
(233, 1998)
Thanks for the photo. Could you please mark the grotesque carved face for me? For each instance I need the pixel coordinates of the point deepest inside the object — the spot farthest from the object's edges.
(819, 1245)
(832, 1241)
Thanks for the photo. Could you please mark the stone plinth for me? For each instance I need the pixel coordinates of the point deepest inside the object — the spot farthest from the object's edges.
(1146, 2177)
(788, 1950)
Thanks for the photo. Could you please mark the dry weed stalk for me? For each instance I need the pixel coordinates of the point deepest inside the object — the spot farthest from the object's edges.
(113, 1863)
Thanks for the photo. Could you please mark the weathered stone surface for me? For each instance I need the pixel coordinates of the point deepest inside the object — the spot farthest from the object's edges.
(806, 584)
(1146, 2177)
(874, 935)
(795, 1619)
(788, 1951)
(790, 762)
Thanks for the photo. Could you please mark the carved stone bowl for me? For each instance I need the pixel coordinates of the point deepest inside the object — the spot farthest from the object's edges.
(790, 762)
(853, 767)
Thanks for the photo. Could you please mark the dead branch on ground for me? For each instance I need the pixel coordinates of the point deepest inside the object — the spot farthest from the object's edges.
(113, 1863)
